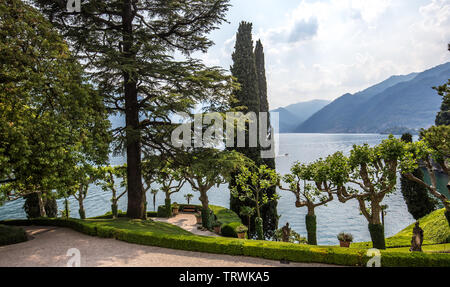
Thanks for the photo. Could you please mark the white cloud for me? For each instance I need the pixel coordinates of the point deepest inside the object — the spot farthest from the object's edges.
(321, 49)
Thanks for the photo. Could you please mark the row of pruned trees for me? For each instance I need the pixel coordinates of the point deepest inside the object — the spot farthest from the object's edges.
(367, 175)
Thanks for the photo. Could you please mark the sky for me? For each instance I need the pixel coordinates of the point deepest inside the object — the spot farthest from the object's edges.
(322, 49)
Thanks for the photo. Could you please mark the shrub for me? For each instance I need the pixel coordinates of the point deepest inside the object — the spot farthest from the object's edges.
(163, 211)
(169, 236)
(229, 230)
(346, 237)
(11, 235)
(31, 206)
(241, 228)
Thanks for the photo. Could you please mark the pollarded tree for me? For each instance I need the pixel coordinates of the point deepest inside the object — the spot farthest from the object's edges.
(51, 119)
(206, 167)
(320, 182)
(128, 48)
(374, 171)
(171, 180)
(108, 177)
(83, 176)
(434, 147)
(250, 185)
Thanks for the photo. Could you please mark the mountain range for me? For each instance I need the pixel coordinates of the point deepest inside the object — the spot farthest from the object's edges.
(291, 116)
(398, 104)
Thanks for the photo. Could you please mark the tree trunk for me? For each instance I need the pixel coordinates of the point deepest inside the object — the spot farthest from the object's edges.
(42, 212)
(259, 228)
(114, 209)
(136, 196)
(81, 209)
(377, 235)
(206, 222)
(311, 226)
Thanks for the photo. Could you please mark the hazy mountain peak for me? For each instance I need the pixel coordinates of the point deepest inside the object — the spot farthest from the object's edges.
(399, 102)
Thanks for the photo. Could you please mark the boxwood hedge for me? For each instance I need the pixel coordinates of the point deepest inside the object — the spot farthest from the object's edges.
(220, 245)
(11, 235)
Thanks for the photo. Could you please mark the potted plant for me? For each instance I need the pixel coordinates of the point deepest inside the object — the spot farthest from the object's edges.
(241, 230)
(175, 208)
(345, 239)
(198, 216)
(217, 226)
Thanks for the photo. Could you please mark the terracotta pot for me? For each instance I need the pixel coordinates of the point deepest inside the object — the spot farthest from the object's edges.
(175, 211)
(241, 235)
(199, 219)
(344, 243)
(217, 229)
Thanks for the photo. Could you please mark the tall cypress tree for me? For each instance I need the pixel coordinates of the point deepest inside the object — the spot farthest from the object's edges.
(244, 70)
(269, 211)
(250, 74)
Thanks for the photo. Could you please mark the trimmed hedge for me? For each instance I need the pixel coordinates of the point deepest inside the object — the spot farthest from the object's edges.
(11, 235)
(219, 245)
(229, 219)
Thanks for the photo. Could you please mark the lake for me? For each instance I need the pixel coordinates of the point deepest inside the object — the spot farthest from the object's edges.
(332, 219)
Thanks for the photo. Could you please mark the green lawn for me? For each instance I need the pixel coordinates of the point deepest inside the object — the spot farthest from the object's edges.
(136, 225)
(435, 229)
(435, 248)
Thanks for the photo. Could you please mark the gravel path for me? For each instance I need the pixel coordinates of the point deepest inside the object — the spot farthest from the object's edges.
(186, 221)
(50, 245)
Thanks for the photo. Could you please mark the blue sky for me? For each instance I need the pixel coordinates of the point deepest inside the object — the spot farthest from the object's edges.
(321, 49)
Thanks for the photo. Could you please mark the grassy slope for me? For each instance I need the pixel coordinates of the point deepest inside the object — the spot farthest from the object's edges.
(225, 215)
(11, 235)
(435, 228)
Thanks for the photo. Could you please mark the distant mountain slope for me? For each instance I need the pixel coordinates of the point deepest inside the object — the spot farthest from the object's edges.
(400, 102)
(291, 116)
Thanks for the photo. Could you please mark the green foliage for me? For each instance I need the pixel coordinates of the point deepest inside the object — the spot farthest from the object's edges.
(377, 235)
(170, 236)
(293, 238)
(229, 219)
(163, 212)
(259, 228)
(11, 235)
(447, 215)
(31, 206)
(433, 148)
(416, 196)
(168, 207)
(250, 186)
(443, 116)
(206, 167)
(52, 120)
(311, 228)
(346, 237)
(241, 229)
(107, 176)
(137, 71)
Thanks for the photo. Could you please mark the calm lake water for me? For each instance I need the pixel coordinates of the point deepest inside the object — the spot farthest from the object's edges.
(331, 219)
